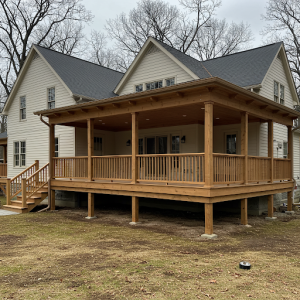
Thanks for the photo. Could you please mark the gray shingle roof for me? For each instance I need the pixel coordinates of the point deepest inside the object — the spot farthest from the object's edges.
(244, 68)
(3, 135)
(82, 77)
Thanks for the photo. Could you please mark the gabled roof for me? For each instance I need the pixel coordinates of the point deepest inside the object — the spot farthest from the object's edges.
(83, 78)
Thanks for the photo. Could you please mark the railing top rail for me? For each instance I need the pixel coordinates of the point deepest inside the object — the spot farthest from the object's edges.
(38, 171)
(230, 155)
(3, 164)
(284, 159)
(23, 172)
(73, 157)
(170, 154)
(109, 156)
(259, 157)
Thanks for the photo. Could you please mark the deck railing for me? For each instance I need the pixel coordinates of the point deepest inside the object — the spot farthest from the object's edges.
(188, 168)
(228, 168)
(70, 167)
(282, 169)
(259, 168)
(3, 170)
(112, 167)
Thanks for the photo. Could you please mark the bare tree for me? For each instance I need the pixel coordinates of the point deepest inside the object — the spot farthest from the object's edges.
(219, 38)
(284, 16)
(56, 24)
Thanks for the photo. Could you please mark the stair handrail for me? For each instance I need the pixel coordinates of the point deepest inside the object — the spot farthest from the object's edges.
(35, 182)
(18, 180)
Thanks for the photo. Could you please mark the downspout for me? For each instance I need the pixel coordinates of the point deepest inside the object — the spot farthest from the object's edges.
(49, 188)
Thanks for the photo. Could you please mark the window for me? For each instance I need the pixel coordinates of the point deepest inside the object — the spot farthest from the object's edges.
(175, 143)
(51, 98)
(139, 88)
(20, 154)
(231, 143)
(98, 146)
(23, 108)
(153, 85)
(141, 146)
(56, 148)
(285, 149)
(276, 85)
(170, 81)
(281, 94)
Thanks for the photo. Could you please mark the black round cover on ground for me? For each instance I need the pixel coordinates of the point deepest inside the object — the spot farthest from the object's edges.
(245, 265)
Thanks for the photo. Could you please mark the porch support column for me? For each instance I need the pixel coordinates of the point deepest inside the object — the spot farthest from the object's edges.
(290, 156)
(208, 141)
(244, 144)
(270, 149)
(135, 210)
(134, 143)
(51, 193)
(208, 233)
(244, 211)
(270, 208)
(4, 154)
(90, 126)
(91, 205)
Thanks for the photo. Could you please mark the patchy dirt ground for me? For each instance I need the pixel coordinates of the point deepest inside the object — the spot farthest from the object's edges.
(62, 255)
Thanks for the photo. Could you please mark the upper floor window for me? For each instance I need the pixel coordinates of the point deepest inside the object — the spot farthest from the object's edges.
(281, 94)
(51, 98)
(20, 154)
(154, 85)
(170, 81)
(23, 108)
(276, 92)
(139, 88)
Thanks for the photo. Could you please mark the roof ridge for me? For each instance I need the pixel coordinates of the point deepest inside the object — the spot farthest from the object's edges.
(78, 59)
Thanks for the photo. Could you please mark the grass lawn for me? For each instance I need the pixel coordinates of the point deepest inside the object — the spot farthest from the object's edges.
(62, 255)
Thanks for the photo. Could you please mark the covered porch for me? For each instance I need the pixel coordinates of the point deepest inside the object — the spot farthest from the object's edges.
(211, 174)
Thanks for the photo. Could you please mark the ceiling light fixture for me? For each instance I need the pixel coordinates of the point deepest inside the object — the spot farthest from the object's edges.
(217, 118)
(184, 115)
(103, 123)
(147, 119)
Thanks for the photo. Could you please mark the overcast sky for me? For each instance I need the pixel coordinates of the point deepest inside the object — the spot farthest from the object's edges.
(233, 10)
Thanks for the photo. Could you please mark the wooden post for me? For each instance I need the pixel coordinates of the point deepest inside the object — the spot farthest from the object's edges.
(244, 211)
(24, 204)
(135, 144)
(208, 218)
(37, 166)
(52, 200)
(290, 201)
(90, 126)
(4, 154)
(244, 144)
(208, 138)
(290, 156)
(91, 205)
(270, 149)
(8, 191)
(270, 206)
(135, 209)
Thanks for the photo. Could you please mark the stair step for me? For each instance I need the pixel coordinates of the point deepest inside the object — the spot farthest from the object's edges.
(20, 202)
(15, 208)
(32, 197)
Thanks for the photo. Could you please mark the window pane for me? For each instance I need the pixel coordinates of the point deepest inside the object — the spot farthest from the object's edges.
(16, 147)
(23, 147)
(23, 102)
(23, 113)
(162, 145)
(231, 144)
(141, 146)
(275, 88)
(98, 145)
(139, 88)
(23, 160)
(154, 85)
(16, 160)
(175, 144)
(170, 81)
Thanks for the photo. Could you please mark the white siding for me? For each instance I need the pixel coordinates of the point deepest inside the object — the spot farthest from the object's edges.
(34, 86)
(297, 155)
(154, 66)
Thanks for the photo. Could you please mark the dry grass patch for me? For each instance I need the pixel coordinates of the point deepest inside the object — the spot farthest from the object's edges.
(63, 256)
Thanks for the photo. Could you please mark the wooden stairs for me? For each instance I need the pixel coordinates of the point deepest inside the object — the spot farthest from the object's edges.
(31, 202)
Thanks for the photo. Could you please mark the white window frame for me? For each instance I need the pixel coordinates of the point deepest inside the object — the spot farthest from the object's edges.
(20, 165)
(138, 85)
(23, 108)
(52, 101)
(169, 78)
(281, 100)
(276, 96)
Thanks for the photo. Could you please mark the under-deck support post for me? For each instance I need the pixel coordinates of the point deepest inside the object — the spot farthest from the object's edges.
(8, 180)
(51, 193)
(91, 206)
(244, 211)
(270, 149)
(290, 156)
(134, 143)
(135, 210)
(90, 125)
(4, 154)
(244, 144)
(208, 141)
(208, 233)
(52, 200)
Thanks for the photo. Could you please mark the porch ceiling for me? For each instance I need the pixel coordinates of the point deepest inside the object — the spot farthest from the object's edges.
(183, 115)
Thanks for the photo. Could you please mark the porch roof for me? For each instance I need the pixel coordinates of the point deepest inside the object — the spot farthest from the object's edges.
(225, 93)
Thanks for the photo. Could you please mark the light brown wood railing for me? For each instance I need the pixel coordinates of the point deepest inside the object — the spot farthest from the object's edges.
(16, 182)
(34, 183)
(282, 169)
(112, 167)
(228, 168)
(188, 167)
(259, 168)
(70, 167)
(3, 170)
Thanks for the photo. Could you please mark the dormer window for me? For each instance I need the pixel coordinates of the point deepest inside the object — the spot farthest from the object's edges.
(139, 88)
(170, 81)
(276, 87)
(281, 94)
(154, 85)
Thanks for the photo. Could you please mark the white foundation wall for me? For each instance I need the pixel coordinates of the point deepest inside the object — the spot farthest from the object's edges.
(154, 65)
(34, 86)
